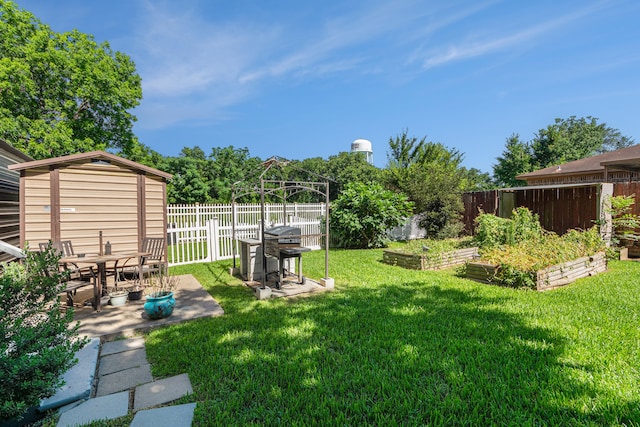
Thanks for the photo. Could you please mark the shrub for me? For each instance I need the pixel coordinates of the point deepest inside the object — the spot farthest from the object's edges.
(520, 262)
(37, 343)
(625, 224)
(493, 231)
(363, 213)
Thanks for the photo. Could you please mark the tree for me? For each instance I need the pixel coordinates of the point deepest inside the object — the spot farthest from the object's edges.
(363, 213)
(228, 165)
(564, 141)
(437, 191)
(189, 183)
(37, 343)
(431, 176)
(515, 160)
(406, 152)
(63, 93)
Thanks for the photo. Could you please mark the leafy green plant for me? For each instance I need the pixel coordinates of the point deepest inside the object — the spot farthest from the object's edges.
(363, 213)
(433, 247)
(493, 231)
(625, 223)
(37, 343)
(519, 262)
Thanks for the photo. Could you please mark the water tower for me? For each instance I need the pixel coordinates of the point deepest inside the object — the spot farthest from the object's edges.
(363, 146)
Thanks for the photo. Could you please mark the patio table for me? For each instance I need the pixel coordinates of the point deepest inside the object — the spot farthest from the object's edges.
(100, 287)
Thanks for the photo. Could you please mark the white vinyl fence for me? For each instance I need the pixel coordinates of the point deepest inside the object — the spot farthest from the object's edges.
(203, 233)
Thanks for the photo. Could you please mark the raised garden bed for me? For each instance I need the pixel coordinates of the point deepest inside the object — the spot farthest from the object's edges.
(428, 261)
(548, 278)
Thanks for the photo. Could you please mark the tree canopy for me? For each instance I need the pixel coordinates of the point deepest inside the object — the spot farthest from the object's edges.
(564, 141)
(63, 93)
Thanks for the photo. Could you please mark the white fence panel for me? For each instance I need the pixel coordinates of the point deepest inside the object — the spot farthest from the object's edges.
(203, 233)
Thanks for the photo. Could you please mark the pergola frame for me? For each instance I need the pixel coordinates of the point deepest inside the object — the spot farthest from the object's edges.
(283, 189)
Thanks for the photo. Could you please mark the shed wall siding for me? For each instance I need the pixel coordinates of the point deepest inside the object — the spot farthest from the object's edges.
(37, 207)
(94, 199)
(155, 207)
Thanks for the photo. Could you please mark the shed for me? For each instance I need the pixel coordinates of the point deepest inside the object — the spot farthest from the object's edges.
(78, 196)
(9, 196)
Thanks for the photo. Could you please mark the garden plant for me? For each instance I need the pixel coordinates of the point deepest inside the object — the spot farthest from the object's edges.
(38, 342)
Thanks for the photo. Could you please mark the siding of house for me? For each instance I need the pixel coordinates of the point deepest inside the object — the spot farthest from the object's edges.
(9, 201)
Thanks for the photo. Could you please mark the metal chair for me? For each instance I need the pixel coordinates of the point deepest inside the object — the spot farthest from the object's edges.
(77, 277)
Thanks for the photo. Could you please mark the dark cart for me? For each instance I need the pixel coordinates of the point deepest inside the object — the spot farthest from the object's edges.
(284, 242)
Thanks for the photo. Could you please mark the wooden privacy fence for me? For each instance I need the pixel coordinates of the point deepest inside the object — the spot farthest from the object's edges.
(560, 208)
(203, 233)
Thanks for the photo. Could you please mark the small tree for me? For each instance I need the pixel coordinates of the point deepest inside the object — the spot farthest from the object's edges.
(625, 223)
(363, 213)
(37, 343)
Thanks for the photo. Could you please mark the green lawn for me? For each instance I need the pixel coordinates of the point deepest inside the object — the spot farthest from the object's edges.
(398, 347)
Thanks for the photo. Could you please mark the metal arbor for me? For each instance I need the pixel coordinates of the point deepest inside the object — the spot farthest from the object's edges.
(267, 183)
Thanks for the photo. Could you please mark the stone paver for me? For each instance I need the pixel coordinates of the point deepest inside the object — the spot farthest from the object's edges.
(174, 416)
(100, 408)
(119, 346)
(161, 391)
(121, 361)
(124, 380)
(78, 380)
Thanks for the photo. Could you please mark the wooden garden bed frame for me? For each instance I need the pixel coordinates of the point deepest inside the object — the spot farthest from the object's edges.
(549, 278)
(426, 262)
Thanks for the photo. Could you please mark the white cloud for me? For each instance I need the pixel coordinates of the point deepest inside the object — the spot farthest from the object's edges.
(475, 48)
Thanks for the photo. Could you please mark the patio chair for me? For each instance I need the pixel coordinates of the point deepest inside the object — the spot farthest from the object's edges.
(154, 262)
(65, 249)
(74, 280)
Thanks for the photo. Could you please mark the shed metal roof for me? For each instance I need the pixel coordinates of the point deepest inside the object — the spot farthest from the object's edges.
(91, 155)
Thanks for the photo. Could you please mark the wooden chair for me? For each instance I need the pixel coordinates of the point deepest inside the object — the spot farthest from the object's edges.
(155, 261)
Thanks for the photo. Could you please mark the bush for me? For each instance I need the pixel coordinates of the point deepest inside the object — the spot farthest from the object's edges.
(520, 262)
(37, 344)
(493, 231)
(363, 213)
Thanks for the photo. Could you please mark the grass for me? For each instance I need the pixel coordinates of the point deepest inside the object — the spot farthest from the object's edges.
(391, 346)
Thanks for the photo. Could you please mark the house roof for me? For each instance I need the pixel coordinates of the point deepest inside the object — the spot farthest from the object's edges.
(624, 158)
(4, 145)
(93, 156)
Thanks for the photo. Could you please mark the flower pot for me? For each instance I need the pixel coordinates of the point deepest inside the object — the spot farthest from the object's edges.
(135, 295)
(118, 298)
(159, 305)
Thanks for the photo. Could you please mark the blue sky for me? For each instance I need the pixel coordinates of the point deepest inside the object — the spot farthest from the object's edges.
(302, 79)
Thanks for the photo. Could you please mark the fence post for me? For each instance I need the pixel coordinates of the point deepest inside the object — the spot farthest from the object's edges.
(213, 239)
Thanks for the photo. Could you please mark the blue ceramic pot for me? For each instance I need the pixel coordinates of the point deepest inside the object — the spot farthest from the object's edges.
(159, 306)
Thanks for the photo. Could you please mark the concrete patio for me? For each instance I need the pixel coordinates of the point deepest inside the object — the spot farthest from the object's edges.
(192, 302)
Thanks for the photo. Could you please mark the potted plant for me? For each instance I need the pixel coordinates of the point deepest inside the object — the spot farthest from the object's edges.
(135, 291)
(159, 290)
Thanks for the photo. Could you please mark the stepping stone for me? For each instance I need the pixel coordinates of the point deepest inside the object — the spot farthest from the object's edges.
(100, 408)
(121, 345)
(121, 361)
(77, 380)
(161, 391)
(175, 416)
(124, 380)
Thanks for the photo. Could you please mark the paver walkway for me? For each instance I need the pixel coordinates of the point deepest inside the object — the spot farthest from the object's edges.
(125, 385)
